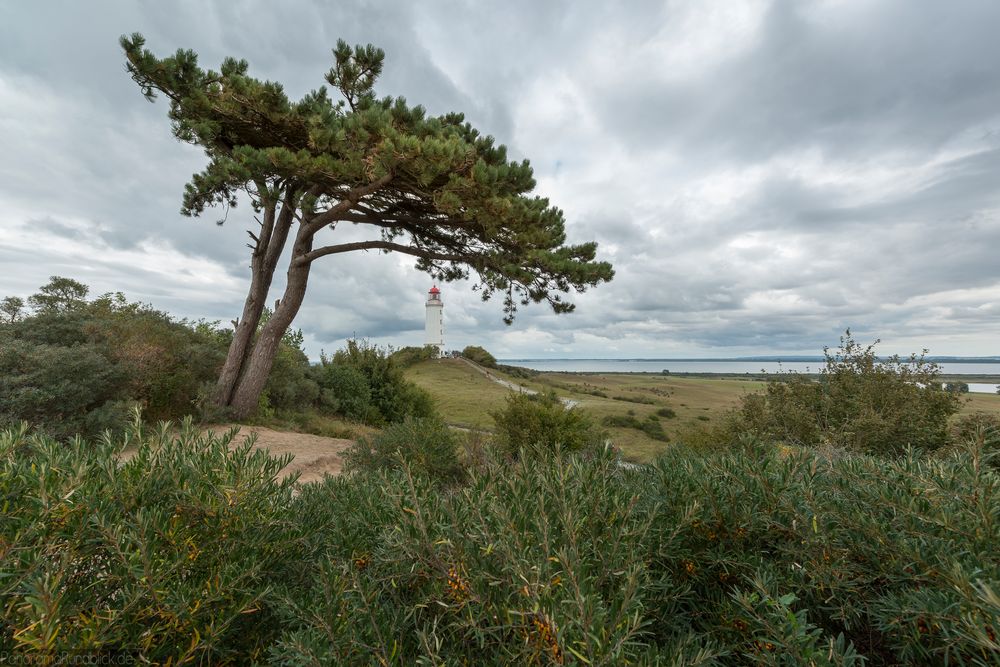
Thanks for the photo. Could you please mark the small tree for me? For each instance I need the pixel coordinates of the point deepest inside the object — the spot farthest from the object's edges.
(429, 187)
(11, 309)
(59, 294)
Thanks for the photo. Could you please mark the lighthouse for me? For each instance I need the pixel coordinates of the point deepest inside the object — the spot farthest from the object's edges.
(434, 324)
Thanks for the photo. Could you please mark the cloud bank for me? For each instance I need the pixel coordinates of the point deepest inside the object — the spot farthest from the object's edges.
(761, 174)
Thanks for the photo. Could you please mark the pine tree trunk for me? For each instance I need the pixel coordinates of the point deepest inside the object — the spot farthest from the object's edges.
(273, 235)
(257, 368)
(239, 348)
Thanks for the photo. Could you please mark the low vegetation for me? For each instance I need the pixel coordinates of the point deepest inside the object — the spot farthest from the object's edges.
(841, 520)
(859, 402)
(77, 365)
(193, 551)
(651, 425)
(480, 356)
(532, 422)
(364, 383)
(425, 447)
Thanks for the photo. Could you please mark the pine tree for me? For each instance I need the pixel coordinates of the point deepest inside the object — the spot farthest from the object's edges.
(426, 186)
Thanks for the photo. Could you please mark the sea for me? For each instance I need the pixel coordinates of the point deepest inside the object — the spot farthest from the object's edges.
(736, 367)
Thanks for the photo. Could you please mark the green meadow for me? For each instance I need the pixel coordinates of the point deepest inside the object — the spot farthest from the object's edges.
(466, 398)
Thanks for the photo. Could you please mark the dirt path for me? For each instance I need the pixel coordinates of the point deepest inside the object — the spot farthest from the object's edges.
(568, 402)
(315, 455)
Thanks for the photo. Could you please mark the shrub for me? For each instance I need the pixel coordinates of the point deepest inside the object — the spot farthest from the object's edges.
(344, 390)
(480, 356)
(636, 399)
(169, 554)
(651, 426)
(193, 551)
(981, 432)
(978, 425)
(621, 421)
(859, 402)
(531, 562)
(518, 372)
(743, 558)
(428, 447)
(667, 413)
(363, 382)
(289, 385)
(540, 422)
(68, 389)
(408, 356)
(75, 364)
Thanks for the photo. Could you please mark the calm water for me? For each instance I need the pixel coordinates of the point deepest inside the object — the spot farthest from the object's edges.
(731, 366)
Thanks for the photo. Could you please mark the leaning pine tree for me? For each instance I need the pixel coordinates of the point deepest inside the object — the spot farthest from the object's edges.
(430, 187)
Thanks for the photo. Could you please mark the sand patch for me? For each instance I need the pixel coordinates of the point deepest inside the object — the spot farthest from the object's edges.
(315, 455)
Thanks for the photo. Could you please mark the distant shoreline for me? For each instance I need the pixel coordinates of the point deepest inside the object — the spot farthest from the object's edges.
(772, 359)
(984, 379)
(760, 376)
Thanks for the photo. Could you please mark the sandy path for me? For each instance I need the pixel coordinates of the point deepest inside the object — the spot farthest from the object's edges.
(568, 402)
(315, 455)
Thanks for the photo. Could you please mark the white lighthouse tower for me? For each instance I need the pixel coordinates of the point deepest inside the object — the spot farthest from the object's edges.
(434, 324)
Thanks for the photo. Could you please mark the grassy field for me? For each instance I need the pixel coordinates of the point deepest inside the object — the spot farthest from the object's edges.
(466, 398)
(981, 403)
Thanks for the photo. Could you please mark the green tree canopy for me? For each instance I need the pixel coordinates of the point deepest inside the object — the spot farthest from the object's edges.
(428, 186)
(59, 294)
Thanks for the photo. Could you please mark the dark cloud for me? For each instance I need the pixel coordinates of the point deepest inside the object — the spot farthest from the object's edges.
(871, 76)
(762, 175)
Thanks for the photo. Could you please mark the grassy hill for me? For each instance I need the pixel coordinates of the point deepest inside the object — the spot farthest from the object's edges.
(464, 396)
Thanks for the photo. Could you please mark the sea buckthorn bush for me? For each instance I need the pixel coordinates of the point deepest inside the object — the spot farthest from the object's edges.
(191, 549)
(860, 402)
(157, 545)
(428, 446)
(540, 423)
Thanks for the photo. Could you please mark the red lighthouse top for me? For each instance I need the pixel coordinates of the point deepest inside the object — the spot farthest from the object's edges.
(435, 290)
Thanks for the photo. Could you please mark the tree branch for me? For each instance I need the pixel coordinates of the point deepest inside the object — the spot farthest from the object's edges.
(386, 220)
(378, 245)
(350, 199)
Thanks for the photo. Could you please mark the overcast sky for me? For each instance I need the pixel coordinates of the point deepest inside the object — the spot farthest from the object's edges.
(761, 174)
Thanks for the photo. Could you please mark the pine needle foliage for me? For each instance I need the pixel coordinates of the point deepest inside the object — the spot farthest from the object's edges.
(429, 186)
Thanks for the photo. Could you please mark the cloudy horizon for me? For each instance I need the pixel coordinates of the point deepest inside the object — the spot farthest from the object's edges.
(761, 174)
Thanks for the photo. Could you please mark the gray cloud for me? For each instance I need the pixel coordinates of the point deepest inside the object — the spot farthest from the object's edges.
(762, 175)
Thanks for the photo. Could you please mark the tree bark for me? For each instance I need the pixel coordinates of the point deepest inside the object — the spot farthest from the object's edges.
(257, 368)
(264, 260)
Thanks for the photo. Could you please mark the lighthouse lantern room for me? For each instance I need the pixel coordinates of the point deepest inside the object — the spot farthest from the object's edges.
(434, 324)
